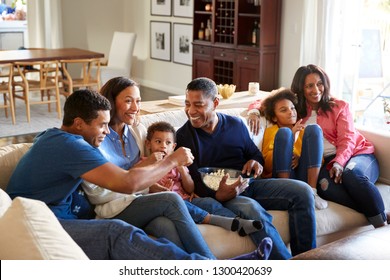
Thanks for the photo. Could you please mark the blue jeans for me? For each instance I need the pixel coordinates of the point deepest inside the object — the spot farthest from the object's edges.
(197, 208)
(358, 190)
(247, 208)
(147, 208)
(116, 240)
(297, 198)
(311, 153)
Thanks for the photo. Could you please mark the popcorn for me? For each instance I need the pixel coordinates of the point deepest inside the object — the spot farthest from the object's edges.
(213, 179)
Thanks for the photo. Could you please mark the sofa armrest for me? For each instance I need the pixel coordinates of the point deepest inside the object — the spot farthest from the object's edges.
(380, 139)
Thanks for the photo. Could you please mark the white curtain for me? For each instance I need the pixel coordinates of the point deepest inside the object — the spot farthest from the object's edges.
(313, 33)
(44, 23)
(329, 40)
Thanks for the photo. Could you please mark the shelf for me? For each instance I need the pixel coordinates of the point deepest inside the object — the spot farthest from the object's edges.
(229, 57)
(248, 15)
(208, 13)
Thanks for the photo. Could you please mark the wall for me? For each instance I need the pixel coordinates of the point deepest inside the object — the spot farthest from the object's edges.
(290, 41)
(92, 23)
(167, 76)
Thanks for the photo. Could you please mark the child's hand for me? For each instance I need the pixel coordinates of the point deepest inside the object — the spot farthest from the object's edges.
(167, 183)
(295, 161)
(254, 123)
(298, 126)
(154, 157)
(193, 195)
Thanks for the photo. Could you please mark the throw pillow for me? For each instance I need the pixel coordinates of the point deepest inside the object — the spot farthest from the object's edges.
(30, 230)
(9, 158)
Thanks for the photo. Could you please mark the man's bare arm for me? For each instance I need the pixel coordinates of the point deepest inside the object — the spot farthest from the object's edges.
(136, 178)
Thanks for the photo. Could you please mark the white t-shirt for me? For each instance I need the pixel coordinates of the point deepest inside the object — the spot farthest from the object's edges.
(329, 148)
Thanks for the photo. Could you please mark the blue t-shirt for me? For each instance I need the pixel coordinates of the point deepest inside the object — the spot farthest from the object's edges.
(50, 170)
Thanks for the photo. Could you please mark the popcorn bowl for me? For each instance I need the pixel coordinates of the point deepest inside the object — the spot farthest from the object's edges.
(212, 176)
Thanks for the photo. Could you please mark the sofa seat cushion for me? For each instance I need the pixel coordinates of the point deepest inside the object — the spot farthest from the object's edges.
(178, 117)
(225, 244)
(30, 231)
(335, 218)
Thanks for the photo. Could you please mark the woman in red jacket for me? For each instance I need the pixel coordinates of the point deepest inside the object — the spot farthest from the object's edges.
(350, 169)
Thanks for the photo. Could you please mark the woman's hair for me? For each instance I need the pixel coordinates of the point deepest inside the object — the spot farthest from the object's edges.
(112, 89)
(162, 127)
(268, 104)
(298, 87)
(84, 104)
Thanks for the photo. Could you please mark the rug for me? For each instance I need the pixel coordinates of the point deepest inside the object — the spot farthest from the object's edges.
(41, 118)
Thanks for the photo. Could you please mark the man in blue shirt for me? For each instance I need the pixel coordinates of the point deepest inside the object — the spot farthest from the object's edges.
(220, 140)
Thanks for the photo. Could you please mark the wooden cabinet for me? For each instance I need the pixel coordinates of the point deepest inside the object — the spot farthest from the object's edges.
(236, 52)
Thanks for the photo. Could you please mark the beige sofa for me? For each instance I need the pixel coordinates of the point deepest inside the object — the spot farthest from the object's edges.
(333, 223)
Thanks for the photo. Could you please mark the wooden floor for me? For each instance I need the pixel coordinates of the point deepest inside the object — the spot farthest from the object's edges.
(147, 94)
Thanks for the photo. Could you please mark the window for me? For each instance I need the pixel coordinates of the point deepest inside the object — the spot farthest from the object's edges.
(372, 79)
(350, 39)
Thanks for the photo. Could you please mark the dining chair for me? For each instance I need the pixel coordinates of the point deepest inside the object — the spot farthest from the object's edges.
(43, 78)
(6, 73)
(120, 57)
(88, 78)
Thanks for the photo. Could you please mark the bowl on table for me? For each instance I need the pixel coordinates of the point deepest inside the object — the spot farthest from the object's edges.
(226, 91)
(212, 176)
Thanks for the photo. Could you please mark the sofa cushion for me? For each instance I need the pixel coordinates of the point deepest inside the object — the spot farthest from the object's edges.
(178, 118)
(225, 244)
(29, 230)
(9, 157)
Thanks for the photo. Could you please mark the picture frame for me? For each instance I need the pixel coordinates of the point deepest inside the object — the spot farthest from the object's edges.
(183, 8)
(182, 43)
(161, 7)
(160, 40)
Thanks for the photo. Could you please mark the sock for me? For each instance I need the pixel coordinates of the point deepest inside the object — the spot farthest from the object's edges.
(248, 226)
(224, 222)
(319, 203)
(261, 253)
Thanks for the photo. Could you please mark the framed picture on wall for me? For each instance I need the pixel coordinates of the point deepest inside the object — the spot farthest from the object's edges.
(183, 8)
(161, 7)
(160, 40)
(182, 43)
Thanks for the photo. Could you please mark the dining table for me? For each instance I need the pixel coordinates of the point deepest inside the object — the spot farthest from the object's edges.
(44, 54)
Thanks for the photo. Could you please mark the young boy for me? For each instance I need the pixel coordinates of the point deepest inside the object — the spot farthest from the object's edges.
(161, 141)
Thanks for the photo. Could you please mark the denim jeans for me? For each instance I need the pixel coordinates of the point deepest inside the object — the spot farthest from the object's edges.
(147, 208)
(358, 190)
(116, 240)
(297, 198)
(311, 153)
(197, 208)
(247, 208)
